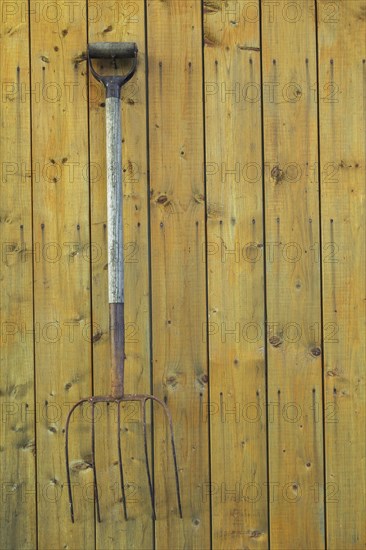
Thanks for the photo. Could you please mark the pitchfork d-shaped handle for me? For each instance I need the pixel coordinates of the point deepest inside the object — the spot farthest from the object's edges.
(113, 85)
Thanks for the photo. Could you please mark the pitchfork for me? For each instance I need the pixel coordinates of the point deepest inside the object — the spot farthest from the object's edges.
(113, 85)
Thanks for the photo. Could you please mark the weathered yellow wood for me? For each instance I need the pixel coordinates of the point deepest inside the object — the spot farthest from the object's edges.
(178, 269)
(293, 278)
(342, 81)
(62, 273)
(45, 237)
(235, 277)
(17, 419)
(118, 23)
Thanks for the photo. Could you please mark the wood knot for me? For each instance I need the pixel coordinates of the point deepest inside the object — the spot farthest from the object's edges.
(80, 465)
(199, 198)
(172, 381)
(97, 336)
(275, 341)
(29, 446)
(255, 534)
(163, 199)
(79, 59)
(277, 174)
(210, 6)
(209, 41)
(315, 352)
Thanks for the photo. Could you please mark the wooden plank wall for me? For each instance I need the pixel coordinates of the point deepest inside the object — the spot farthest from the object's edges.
(18, 465)
(244, 155)
(236, 302)
(293, 281)
(342, 85)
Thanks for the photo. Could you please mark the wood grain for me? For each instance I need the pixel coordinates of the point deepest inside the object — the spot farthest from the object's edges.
(17, 404)
(293, 280)
(62, 274)
(342, 85)
(236, 329)
(178, 272)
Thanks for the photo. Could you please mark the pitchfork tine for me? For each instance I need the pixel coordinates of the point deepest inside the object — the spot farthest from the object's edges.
(169, 416)
(71, 503)
(96, 495)
(170, 422)
(120, 460)
(174, 460)
(147, 459)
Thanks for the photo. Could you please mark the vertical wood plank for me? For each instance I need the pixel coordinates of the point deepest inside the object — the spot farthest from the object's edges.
(120, 22)
(293, 277)
(235, 276)
(178, 272)
(342, 86)
(62, 274)
(17, 422)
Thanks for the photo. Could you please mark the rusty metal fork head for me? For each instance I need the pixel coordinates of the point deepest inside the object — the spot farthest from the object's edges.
(142, 399)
